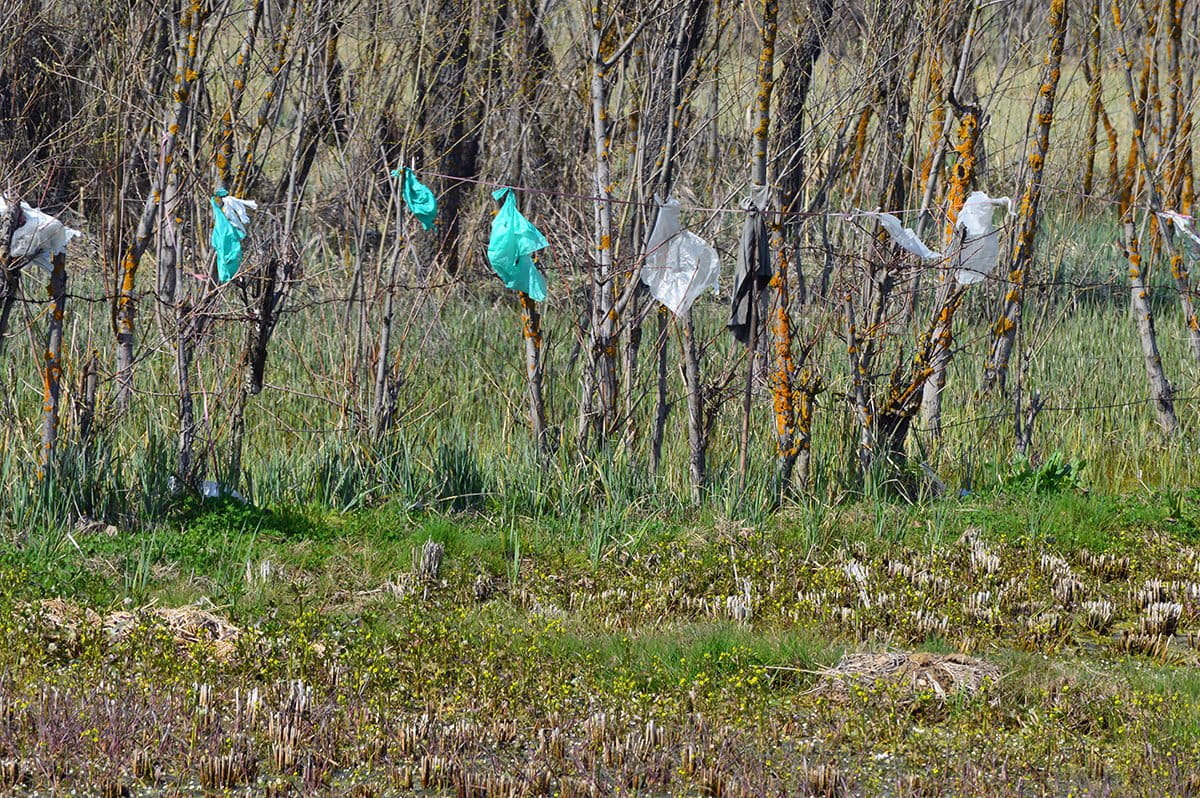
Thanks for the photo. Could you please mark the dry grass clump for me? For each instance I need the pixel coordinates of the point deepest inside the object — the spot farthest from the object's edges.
(187, 625)
(63, 614)
(915, 672)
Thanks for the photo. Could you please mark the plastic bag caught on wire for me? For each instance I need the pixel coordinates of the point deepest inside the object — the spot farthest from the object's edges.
(753, 271)
(513, 239)
(680, 265)
(980, 249)
(1184, 226)
(418, 197)
(230, 220)
(40, 238)
(903, 237)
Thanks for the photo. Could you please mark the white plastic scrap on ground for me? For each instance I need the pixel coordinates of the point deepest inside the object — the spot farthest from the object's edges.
(680, 265)
(1184, 226)
(904, 237)
(980, 242)
(40, 238)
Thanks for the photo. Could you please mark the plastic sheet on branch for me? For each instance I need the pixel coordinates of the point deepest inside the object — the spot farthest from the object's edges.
(980, 248)
(754, 271)
(418, 197)
(40, 238)
(231, 218)
(513, 240)
(903, 237)
(680, 265)
(1184, 226)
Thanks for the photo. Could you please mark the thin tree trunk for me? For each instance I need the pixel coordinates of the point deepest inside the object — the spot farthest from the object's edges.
(10, 273)
(858, 391)
(191, 21)
(781, 327)
(381, 411)
(793, 427)
(748, 390)
(237, 94)
(187, 330)
(1179, 270)
(930, 187)
(688, 36)
(85, 404)
(52, 371)
(662, 405)
(602, 329)
(1006, 326)
(949, 293)
(1094, 65)
(534, 368)
(1161, 391)
(697, 437)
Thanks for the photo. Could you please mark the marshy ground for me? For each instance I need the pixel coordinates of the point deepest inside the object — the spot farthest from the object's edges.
(382, 652)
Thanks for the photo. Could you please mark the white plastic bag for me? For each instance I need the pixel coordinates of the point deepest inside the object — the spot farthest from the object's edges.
(40, 238)
(980, 249)
(1183, 226)
(904, 237)
(237, 211)
(680, 265)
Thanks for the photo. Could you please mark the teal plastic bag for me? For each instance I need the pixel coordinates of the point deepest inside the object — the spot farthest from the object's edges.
(227, 242)
(418, 197)
(513, 240)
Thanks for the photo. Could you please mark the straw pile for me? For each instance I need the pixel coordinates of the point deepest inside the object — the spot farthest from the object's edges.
(187, 625)
(941, 674)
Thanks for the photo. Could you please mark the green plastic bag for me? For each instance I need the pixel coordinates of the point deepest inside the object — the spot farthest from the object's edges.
(227, 242)
(512, 241)
(418, 197)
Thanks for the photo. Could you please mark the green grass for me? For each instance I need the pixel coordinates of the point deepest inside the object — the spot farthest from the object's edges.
(596, 648)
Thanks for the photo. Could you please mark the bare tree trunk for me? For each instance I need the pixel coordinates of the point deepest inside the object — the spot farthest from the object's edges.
(188, 324)
(662, 405)
(602, 328)
(1094, 64)
(748, 390)
(688, 36)
(534, 367)
(450, 128)
(858, 392)
(1175, 142)
(10, 273)
(1161, 391)
(236, 95)
(793, 427)
(949, 293)
(1006, 326)
(381, 411)
(697, 435)
(85, 404)
(1179, 271)
(929, 188)
(191, 23)
(52, 371)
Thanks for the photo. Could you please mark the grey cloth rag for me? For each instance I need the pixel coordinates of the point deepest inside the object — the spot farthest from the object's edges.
(753, 264)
